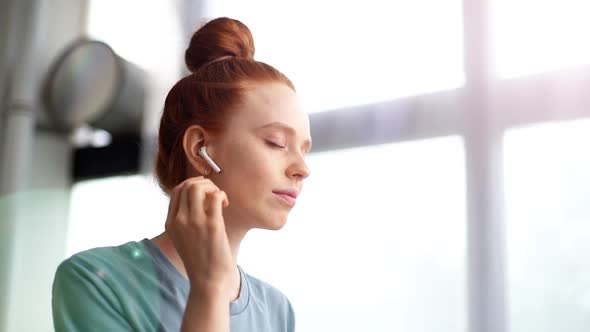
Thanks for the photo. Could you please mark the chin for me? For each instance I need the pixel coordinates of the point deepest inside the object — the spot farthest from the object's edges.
(274, 224)
(277, 226)
(270, 217)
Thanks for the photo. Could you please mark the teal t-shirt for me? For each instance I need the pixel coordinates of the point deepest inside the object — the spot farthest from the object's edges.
(134, 287)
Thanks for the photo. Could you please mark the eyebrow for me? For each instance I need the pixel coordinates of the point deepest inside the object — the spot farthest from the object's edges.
(285, 127)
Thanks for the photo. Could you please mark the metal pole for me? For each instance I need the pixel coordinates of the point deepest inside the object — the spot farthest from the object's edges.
(19, 116)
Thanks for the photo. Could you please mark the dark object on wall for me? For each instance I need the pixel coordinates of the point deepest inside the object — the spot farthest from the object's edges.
(121, 157)
(90, 85)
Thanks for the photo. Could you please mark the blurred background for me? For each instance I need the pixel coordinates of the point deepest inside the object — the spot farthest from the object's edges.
(450, 186)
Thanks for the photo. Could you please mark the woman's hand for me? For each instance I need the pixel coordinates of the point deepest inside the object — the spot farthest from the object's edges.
(196, 226)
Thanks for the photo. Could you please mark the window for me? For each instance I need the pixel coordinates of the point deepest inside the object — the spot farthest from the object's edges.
(150, 40)
(376, 241)
(533, 36)
(341, 54)
(547, 192)
(147, 34)
(113, 211)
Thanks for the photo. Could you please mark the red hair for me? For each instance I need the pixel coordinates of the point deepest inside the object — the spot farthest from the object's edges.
(221, 58)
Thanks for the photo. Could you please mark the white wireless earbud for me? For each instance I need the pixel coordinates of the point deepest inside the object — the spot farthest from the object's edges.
(203, 153)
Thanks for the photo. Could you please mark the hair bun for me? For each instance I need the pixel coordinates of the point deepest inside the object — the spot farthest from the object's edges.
(217, 38)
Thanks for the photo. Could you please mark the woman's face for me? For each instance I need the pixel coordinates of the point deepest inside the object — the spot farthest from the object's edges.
(261, 153)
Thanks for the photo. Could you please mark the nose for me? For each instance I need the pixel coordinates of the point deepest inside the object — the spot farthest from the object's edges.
(298, 168)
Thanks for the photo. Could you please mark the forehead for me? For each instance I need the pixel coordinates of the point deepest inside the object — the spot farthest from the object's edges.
(271, 102)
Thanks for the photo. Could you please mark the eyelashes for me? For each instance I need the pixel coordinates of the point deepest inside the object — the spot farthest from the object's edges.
(278, 146)
(274, 145)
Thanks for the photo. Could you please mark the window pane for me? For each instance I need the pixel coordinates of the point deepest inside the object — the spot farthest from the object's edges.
(113, 211)
(341, 53)
(548, 227)
(146, 33)
(376, 241)
(533, 36)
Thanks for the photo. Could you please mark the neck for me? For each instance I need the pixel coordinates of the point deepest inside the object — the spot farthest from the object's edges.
(164, 242)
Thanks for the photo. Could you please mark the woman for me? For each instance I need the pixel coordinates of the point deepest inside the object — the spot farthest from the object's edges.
(232, 143)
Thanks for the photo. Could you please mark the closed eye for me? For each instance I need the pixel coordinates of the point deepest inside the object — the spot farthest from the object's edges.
(274, 145)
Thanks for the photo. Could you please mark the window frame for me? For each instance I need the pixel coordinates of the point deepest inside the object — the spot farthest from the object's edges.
(480, 112)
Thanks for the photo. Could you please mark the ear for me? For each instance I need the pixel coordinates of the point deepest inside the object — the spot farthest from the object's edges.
(194, 138)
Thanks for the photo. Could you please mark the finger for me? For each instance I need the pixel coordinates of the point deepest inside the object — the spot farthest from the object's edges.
(215, 204)
(174, 201)
(175, 209)
(183, 204)
(212, 190)
(209, 187)
(225, 199)
(203, 185)
(192, 193)
(202, 182)
(215, 222)
(195, 203)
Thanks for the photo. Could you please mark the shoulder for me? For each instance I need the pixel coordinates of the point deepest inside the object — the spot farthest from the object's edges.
(102, 259)
(272, 302)
(264, 291)
(117, 267)
(87, 289)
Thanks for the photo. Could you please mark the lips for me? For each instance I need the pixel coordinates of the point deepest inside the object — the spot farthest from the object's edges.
(289, 192)
(288, 196)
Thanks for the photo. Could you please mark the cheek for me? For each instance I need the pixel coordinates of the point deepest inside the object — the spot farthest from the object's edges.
(250, 179)
(249, 164)
(249, 173)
